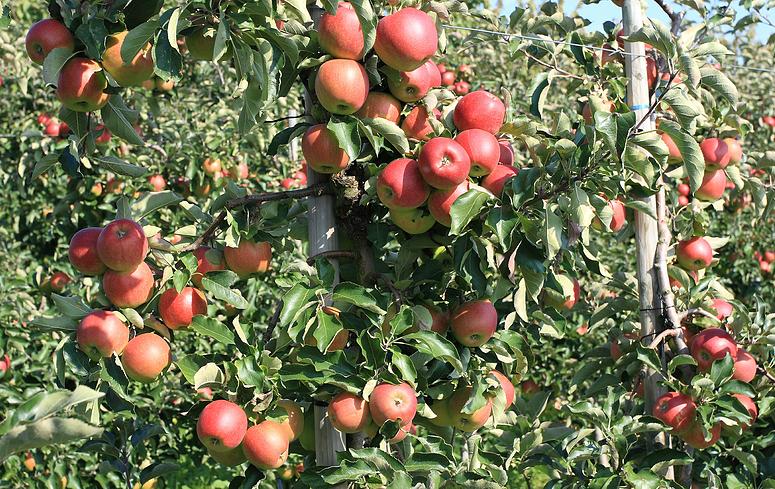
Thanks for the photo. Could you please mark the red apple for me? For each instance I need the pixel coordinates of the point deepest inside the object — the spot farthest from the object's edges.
(83, 252)
(133, 73)
(340, 34)
(745, 366)
(294, 418)
(207, 260)
(448, 78)
(474, 323)
(406, 39)
(683, 200)
(122, 245)
(416, 125)
(619, 218)
(177, 310)
(694, 436)
(713, 184)
(101, 334)
(413, 221)
(349, 413)
(440, 202)
(507, 152)
(749, 406)
(5, 367)
(266, 445)
(221, 426)
(482, 149)
(723, 308)
(53, 128)
(479, 110)
(103, 135)
(380, 105)
(716, 153)
(462, 88)
(769, 256)
(444, 163)
(684, 189)
(81, 85)
(467, 422)
(400, 185)
(128, 289)
(675, 409)
(735, 150)
(411, 86)
(46, 35)
(710, 345)
(321, 150)
(157, 182)
(389, 402)
(44, 119)
(529, 387)
(506, 385)
(248, 257)
(441, 67)
(674, 154)
(496, 180)
(145, 357)
(342, 86)
(694, 253)
(212, 166)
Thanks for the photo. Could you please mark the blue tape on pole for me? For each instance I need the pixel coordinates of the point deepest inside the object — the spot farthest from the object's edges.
(640, 107)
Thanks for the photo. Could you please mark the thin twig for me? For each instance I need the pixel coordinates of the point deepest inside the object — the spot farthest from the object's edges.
(662, 336)
(273, 321)
(331, 254)
(287, 117)
(697, 312)
(767, 374)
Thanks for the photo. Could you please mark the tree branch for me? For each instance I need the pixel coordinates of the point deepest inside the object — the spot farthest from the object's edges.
(273, 322)
(675, 18)
(331, 254)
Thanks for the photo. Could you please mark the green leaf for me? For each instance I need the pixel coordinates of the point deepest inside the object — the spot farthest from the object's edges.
(539, 91)
(137, 39)
(466, 208)
(718, 82)
(293, 301)
(405, 367)
(213, 328)
(58, 323)
(119, 119)
(44, 164)
(189, 365)
(157, 469)
(435, 345)
(53, 63)
(45, 432)
(658, 35)
(72, 307)
(721, 370)
(346, 134)
(693, 160)
(368, 20)
(153, 201)
(356, 295)
(120, 167)
(230, 296)
(391, 132)
(552, 232)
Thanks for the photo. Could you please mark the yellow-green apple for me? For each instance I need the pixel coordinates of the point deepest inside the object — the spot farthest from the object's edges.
(157, 182)
(694, 253)
(266, 445)
(716, 153)
(349, 413)
(340, 34)
(416, 125)
(83, 251)
(440, 202)
(400, 185)
(745, 366)
(735, 150)
(128, 289)
(749, 406)
(675, 409)
(380, 105)
(207, 260)
(710, 345)
(177, 309)
(474, 322)
(444, 163)
(145, 357)
(467, 422)
(496, 180)
(413, 221)
(294, 421)
(506, 385)
(723, 308)
(443, 417)
(411, 86)
(482, 148)
(342, 86)
(448, 78)
(321, 150)
(694, 435)
(479, 110)
(248, 257)
(461, 87)
(713, 184)
(81, 85)
(46, 35)
(406, 39)
(201, 44)
(122, 245)
(221, 426)
(389, 402)
(229, 458)
(133, 73)
(101, 334)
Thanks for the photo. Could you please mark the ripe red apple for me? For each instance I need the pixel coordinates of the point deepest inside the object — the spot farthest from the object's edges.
(340, 35)
(265, 445)
(53, 128)
(402, 432)
(440, 319)
(683, 200)
(507, 152)
(713, 184)
(440, 202)
(474, 323)
(128, 289)
(406, 39)
(735, 150)
(133, 73)
(413, 221)
(745, 366)
(764, 266)
(496, 180)
(479, 110)
(83, 251)
(337, 344)
(212, 166)
(506, 385)
(674, 154)
(103, 134)
(555, 299)
(529, 387)
(248, 257)
(694, 436)
(44, 119)
(716, 153)
(81, 85)
(5, 367)
(723, 308)
(321, 150)
(157, 182)
(444, 163)
(749, 406)
(177, 310)
(46, 35)
(467, 422)
(207, 260)
(448, 78)
(294, 421)
(618, 220)
(684, 189)
(400, 185)
(289, 183)
(380, 105)
(349, 413)
(101, 334)
(122, 245)
(694, 253)
(482, 149)
(342, 86)
(393, 403)
(145, 357)
(710, 345)
(462, 87)
(441, 67)
(163, 85)
(769, 256)
(675, 409)
(411, 86)
(221, 426)
(416, 125)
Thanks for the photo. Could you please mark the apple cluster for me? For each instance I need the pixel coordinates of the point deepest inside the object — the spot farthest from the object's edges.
(297, 180)
(765, 260)
(460, 86)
